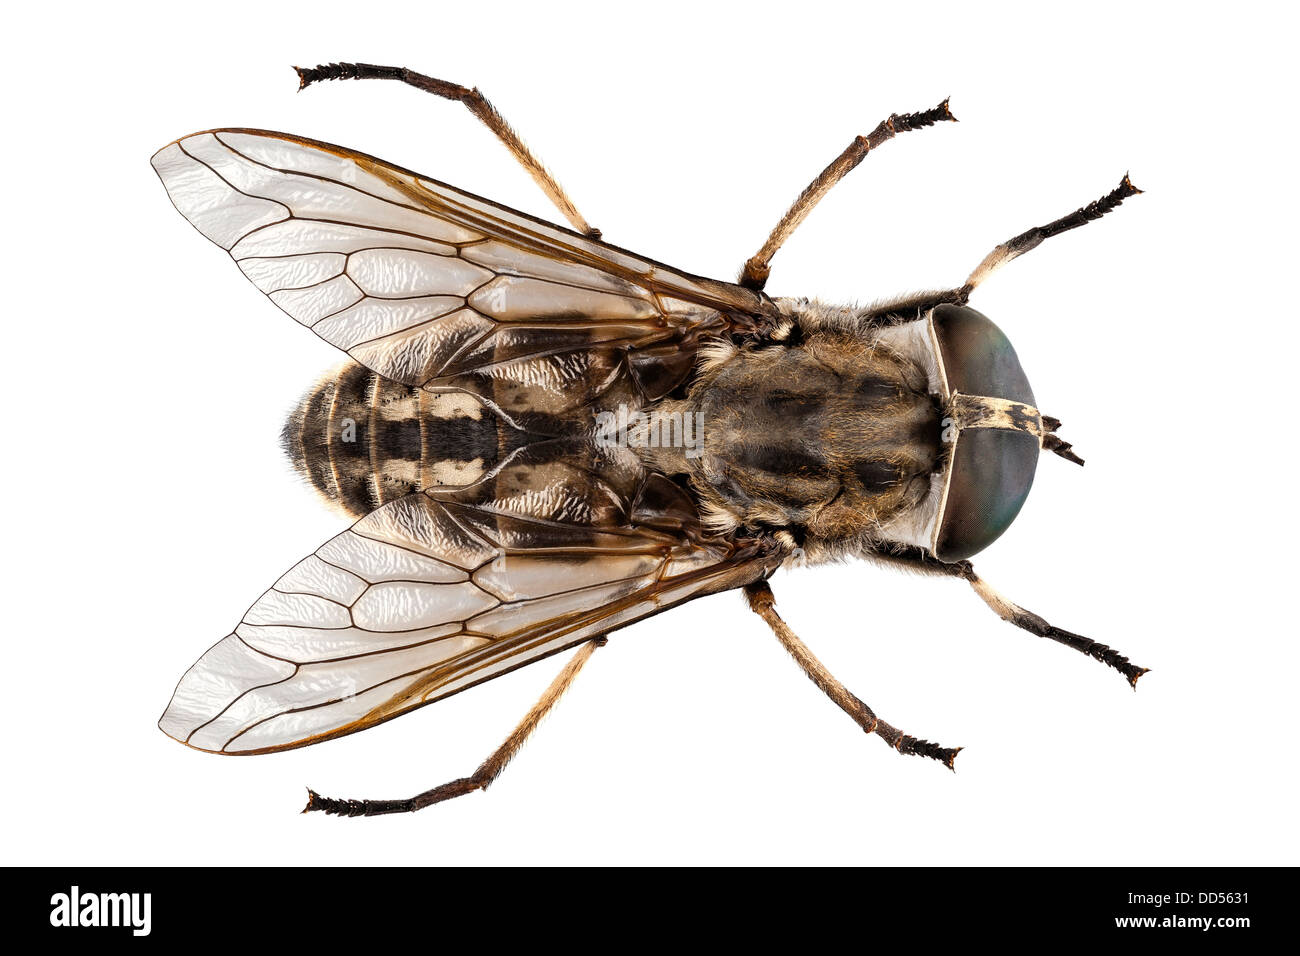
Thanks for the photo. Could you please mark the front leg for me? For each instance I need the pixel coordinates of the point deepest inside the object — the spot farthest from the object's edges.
(911, 307)
(921, 559)
(763, 603)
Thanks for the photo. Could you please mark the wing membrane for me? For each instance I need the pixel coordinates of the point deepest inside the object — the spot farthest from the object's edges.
(438, 591)
(429, 285)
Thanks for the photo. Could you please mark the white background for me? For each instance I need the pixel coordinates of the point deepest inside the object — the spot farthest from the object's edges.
(149, 504)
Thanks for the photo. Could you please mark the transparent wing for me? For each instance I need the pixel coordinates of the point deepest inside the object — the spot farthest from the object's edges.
(431, 286)
(439, 591)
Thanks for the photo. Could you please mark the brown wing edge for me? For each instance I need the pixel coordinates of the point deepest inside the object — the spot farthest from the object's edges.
(748, 310)
(750, 562)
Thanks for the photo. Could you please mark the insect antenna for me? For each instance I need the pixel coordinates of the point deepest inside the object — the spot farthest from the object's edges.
(1056, 445)
(1063, 448)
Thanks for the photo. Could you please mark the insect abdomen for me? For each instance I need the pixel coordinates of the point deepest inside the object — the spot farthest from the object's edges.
(363, 440)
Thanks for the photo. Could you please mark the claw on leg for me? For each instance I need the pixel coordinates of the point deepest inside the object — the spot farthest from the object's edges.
(481, 778)
(759, 266)
(1031, 622)
(763, 603)
(912, 307)
(476, 103)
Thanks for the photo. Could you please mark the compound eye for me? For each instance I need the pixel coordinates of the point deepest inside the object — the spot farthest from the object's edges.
(991, 471)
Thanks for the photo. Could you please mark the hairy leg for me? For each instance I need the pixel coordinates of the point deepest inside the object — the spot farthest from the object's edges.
(914, 306)
(763, 603)
(757, 269)
(487, 772)
(476, 103)
(920, 559)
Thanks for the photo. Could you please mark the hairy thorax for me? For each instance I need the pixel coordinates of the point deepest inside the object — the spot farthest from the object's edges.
(827, 436)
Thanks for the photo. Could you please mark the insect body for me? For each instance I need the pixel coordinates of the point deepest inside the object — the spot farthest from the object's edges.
(546, 438)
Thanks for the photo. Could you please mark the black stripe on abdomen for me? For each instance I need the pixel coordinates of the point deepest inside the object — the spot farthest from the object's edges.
(363, 440)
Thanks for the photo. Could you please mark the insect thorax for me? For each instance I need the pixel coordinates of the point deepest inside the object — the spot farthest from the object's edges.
(825, 435)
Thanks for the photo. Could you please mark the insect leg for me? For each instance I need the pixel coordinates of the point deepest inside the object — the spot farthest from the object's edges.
(913, 306)
(763, 603)
(757, 269)
(920, 559)
(1027, 240)
(487, 772)
(476, 103)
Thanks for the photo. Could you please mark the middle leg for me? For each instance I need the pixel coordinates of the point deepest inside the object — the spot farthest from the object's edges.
(754, 275)
(763, 603)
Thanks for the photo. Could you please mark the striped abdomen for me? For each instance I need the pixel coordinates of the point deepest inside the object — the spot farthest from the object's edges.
(363, 440)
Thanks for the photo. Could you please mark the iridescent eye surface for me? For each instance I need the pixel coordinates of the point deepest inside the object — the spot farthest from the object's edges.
(992, 470)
